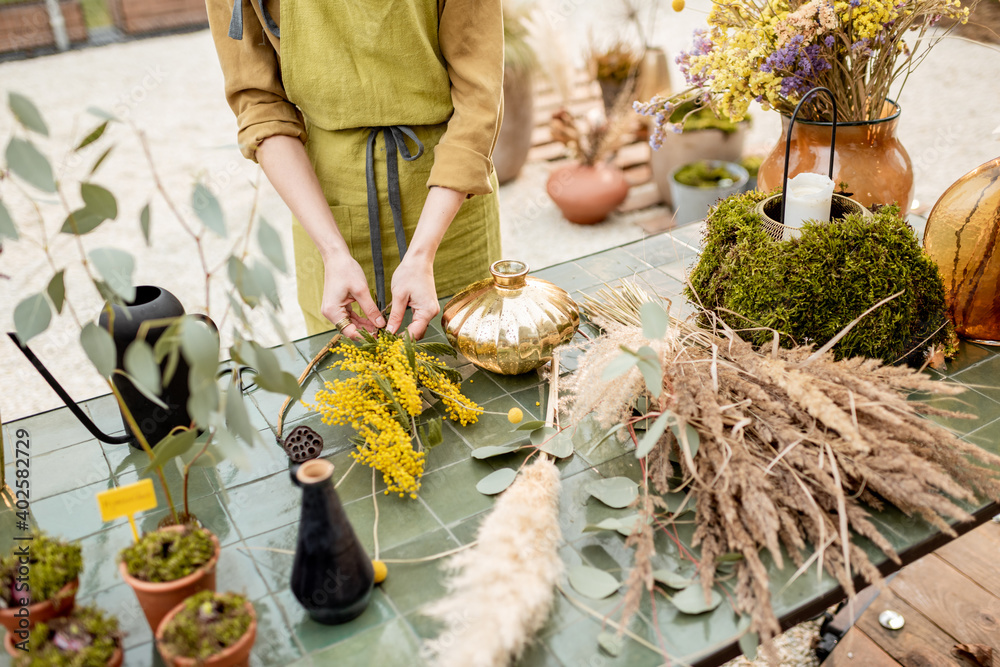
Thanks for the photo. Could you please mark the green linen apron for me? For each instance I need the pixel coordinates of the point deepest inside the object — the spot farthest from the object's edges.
(326, 49)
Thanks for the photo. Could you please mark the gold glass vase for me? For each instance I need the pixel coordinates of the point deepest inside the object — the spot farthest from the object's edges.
(510, 323)
(963, 238)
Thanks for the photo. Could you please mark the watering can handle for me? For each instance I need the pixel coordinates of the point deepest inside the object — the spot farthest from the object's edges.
(788, 141)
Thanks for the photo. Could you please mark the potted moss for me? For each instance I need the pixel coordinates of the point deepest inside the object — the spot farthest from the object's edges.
(87, 637)
(703, 136)
(53, 577)
(209, 629)
(698, 185)
(168, 566)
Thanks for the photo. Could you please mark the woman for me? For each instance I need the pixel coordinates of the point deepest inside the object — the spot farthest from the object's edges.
(328, 98)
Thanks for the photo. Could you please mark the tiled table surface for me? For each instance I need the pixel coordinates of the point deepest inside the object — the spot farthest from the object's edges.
(257, 509)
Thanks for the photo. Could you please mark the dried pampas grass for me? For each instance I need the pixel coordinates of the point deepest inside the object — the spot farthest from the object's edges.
(502, 590)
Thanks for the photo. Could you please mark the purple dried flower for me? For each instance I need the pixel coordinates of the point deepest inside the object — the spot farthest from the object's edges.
(829, 41)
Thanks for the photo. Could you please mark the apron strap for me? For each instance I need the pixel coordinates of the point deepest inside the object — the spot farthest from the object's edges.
(236, 22)
(395, 145)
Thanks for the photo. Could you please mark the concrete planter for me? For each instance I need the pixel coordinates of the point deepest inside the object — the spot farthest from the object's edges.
(691, 203)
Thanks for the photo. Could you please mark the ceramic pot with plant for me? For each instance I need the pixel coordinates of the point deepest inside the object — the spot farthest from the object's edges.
(209, 630)
(697, 186)
(87, 637)
(53, 568)
(514, 138)
(615, 69)
(170, 565)
(587, 190)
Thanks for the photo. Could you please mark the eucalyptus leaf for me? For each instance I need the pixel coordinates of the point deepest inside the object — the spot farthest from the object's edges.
(171, 446)
(144, 222)
(204, 398)
(692, 601)
(611, 523)
(618, 366)
(31, 317)
(532, 425)
(628, 524)
(145, 392)
(231, 449)
(99, 200)
(435, 434)
(27, 113)
(237, 418)
(496, 481)
(540, 435)
(490, 451)
(748, 644)
(652, 374)
(592, 583)
(57, 290)
(100, 348)
(617, 492)
(673, 579)
(100, 160)
(560, 445)
(270, 245)
(81, 221)
(244, 281)
(270, 377)
(140, 363)
(610, 643)
(94, 135)
(654, 320)
(653, 435)
(211, 457)
(7, 227)
(115, 267)
(688, 438)
(27, 162)
(729, 557)
(264, 280)
(208, 210)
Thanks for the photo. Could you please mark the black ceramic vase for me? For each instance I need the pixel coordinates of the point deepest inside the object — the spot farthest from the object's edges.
(151, 303)
(332, 576)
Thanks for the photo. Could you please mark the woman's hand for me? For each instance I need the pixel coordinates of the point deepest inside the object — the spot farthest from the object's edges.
(344, 284)
(413, 287)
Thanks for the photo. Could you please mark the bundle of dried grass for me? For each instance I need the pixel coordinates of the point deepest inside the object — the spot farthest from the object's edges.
(502, 590)
(793, 447)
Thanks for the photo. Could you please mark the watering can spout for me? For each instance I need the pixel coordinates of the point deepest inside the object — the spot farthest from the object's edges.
(70, 403)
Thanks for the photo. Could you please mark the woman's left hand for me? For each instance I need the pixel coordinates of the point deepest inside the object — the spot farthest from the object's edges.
(413, 287)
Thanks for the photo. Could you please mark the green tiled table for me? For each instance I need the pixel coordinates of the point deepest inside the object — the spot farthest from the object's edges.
(255, 511)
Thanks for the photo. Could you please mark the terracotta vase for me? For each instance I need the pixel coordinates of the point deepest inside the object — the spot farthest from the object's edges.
(332, 575)
(587, 194)
(157, 599)
(514, 140)
(868, 158)
(962, 237)
(116, 659)
(40, 612)
(236, 655)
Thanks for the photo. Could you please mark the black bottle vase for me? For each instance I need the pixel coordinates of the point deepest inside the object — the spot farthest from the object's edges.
(155, 422)
(332, 576)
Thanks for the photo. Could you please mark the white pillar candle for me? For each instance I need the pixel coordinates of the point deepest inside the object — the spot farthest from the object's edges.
(808, 198)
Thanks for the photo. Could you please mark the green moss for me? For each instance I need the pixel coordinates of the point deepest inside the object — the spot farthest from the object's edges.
(702, 175)
(752, 164)
(811, 287)
(703, 118)
(52, 564)
(209, 623)
(168, 555)
(94, 633)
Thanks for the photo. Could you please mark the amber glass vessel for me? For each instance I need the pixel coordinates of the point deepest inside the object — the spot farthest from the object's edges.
(962, 236)
(868, 158)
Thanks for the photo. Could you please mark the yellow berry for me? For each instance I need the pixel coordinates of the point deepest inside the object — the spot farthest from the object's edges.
(381, 571)
(678, 5)
(537, 403)
(514, 415)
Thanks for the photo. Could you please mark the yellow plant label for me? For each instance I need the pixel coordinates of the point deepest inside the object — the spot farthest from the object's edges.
(127, 500)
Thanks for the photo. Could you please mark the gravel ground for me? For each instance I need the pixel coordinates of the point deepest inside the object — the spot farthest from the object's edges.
(171, 88)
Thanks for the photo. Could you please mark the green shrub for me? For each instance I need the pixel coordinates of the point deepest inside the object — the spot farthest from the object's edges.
(810, 288)
(167, 555)
(95, 634)
(52, 564)
(208, 623)
(702, 175)
(703, 118)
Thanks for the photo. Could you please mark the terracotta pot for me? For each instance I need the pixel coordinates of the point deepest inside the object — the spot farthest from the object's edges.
(687, 147)
(868, 158)
(158, 599)
(514, 140)
(963, 237)
(587, 194)
(237, 655)
(44, 610)
(116, 660)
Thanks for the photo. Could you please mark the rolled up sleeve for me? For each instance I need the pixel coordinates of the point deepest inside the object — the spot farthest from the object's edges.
(252, 72)
(471, 38)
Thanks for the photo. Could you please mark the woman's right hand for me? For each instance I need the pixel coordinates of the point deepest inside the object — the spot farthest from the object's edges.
(344, 284)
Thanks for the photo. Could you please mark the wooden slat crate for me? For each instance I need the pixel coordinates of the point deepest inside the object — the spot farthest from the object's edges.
(142, 16)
